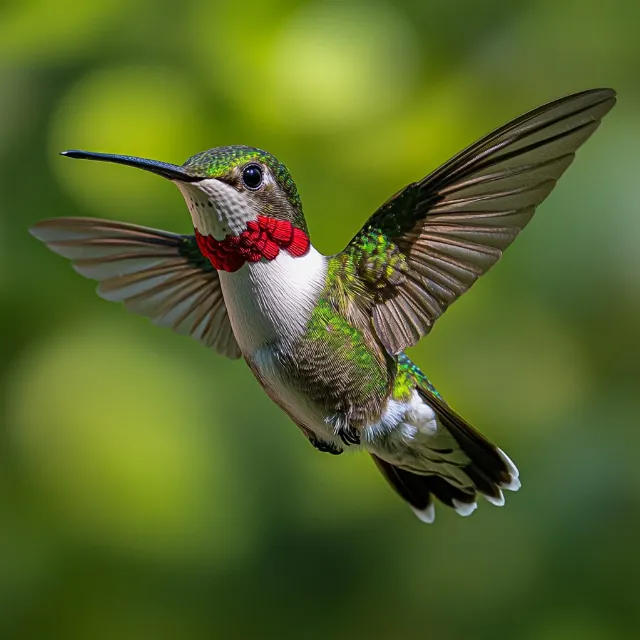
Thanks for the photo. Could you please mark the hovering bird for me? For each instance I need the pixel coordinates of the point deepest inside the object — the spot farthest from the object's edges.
(325, 335)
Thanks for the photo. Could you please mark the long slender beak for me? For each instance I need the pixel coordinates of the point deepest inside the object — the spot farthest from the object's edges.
(164, 169)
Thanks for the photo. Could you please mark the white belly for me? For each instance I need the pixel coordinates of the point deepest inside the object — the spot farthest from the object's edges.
(269, 306)
(294, 402)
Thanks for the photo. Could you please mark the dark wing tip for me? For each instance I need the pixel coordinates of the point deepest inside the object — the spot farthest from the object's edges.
(606, 92)
(598, 95)
(604, 96)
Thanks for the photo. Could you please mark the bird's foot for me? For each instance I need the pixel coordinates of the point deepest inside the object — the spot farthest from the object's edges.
(349, 435)
(341, 427)
(326, 447)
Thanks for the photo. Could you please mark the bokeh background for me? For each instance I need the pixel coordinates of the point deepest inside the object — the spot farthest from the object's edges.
(149, 489)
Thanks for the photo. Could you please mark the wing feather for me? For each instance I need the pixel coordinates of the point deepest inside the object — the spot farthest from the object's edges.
(155, 273)
(436, 237)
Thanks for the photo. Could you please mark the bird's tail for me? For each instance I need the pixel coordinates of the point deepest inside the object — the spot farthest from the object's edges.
(457, 479)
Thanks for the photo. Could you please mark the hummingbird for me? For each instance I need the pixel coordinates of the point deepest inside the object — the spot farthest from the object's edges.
(325, 336)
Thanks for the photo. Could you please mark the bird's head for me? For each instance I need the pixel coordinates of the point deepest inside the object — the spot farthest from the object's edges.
(225, 188)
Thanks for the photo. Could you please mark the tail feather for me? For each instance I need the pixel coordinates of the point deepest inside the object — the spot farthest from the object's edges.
(489, 470)
(419, 491)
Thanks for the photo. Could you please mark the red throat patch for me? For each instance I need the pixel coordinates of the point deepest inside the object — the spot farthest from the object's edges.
(263, 238)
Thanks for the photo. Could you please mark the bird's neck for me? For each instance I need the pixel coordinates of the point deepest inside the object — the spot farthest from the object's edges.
(270, 302)
(262, 239)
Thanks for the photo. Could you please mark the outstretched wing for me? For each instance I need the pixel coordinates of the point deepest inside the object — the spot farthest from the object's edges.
(429, 243)
(157, 274)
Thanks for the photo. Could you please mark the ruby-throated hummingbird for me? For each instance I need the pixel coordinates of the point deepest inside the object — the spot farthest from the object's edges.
(325, 335)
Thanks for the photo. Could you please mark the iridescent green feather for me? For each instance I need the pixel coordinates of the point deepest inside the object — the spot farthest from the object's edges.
(408, 369)
(217, 162)
(375, 259)
(347, 343)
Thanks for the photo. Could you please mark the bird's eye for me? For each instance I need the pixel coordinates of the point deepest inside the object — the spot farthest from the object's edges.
(252, 176)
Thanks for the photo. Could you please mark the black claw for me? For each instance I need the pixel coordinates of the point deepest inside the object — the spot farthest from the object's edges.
(325, 447)
(349, 436)
(344, 430)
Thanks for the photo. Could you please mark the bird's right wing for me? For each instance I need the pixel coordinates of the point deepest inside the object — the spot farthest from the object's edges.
(157, 274)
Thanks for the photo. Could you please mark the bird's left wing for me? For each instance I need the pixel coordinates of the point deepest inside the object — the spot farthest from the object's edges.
(429, 243)
(157, 274)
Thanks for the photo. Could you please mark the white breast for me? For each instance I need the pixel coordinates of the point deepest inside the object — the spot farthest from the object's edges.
(270, 302)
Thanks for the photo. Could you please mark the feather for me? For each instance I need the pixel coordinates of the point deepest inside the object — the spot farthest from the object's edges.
(443, 232)
(155, 273)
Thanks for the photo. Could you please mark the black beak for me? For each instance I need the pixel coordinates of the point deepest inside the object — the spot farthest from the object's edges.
(164, 169)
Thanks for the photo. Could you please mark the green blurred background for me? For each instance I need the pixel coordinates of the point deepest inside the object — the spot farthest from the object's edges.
(149, 489)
